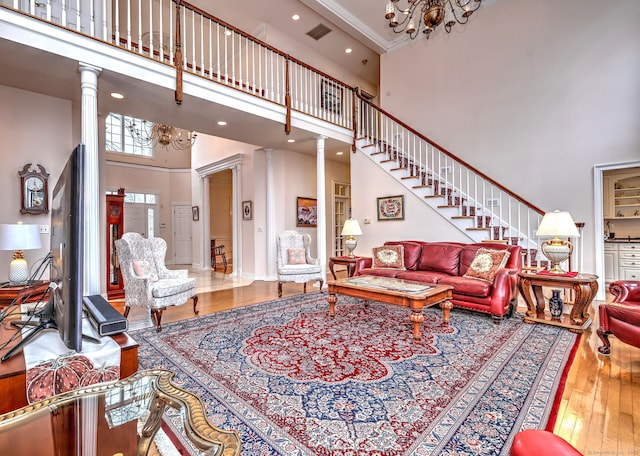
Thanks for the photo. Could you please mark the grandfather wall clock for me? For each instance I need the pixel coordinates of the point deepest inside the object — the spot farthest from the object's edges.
(115, 229)
(34, 190)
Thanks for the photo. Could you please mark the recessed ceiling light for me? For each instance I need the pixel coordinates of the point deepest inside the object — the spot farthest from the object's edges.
(339, 153)
(222, 123)
(117, 96)
(295, 17)
(291, 140)
(348, 50)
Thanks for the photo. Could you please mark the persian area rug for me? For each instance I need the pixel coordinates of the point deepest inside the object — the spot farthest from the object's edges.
(293, 380)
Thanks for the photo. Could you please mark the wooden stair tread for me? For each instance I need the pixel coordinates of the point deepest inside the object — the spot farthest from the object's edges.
(399, 169)
(477, 229)
(463, 216)
(495, 241)
(410, 177)
(448, 206)
(434, 196)
(422, 186)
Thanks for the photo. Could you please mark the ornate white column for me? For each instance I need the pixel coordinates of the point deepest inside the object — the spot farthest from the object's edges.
(236, 172)
(322, 205)
(271, 221)
(206, 221)
(92, 196)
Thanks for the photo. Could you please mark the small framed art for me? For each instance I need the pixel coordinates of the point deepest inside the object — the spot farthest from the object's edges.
(391, 207)
(307, 212)
(247, 210)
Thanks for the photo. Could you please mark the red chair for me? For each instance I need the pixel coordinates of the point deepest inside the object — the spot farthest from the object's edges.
(535, 442)
(621, 317)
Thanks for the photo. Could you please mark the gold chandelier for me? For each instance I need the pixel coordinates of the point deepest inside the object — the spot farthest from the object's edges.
(152, 134)
(431, 13)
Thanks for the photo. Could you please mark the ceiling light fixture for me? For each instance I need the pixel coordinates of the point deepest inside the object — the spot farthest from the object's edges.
(295, 17)
(117, 96)
(291, 140)
(429, 13)
(150, 133)
(348, 50)
(222, 123)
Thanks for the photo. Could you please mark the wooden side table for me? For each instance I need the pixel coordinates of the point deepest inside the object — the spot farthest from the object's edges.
(584, 286)
(349, 262)
(36, 292)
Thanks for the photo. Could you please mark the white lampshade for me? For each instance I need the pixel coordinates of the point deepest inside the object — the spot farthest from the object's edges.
(18, 237)
(557, 223)
(351, 228)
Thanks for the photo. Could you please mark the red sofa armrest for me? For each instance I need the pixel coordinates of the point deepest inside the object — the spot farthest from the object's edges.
(505, 285)
(363, 263)
(625, 290)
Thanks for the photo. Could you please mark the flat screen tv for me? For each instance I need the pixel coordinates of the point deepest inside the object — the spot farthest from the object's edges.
(64, 308)
(67, 222)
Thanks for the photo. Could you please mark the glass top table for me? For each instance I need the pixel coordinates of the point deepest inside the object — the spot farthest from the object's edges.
(116, 418)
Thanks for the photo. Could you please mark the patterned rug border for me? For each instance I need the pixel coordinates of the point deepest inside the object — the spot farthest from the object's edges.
(537, 411)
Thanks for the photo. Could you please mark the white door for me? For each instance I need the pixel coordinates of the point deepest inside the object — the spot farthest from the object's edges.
(135, 219)
(182, 242)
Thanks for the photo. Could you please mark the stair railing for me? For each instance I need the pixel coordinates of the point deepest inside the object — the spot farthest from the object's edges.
(434, 172)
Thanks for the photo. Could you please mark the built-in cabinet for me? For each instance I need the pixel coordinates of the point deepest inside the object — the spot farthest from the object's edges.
(621, 261)
(621, 197)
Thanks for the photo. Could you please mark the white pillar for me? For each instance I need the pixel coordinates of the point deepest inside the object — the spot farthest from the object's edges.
(206, 222)
(322, 206)
(271, 218)
(92, 196)
(236, 172)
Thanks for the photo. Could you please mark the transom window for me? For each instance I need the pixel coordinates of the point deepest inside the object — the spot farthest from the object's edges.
(118, 138)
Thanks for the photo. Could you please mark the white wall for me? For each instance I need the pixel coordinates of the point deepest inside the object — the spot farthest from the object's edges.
(294, 175)
(532, 93)
(37, 130)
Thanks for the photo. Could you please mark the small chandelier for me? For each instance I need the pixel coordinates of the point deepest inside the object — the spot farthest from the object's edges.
(152, 134)
(431, 13)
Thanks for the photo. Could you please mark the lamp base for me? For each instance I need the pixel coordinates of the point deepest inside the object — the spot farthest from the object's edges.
(18, 272)
(350, 243)
(557, 251)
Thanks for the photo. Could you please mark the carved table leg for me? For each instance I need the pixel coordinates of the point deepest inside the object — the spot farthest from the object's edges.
(584, 294)
(332, 299)
(446, 306)
(524, 284)
(416, 317)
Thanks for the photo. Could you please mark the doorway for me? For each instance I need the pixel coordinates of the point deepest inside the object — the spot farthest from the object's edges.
(600, 193)
(221, 216)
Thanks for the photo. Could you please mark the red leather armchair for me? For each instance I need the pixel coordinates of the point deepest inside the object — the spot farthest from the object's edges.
(621, 317)
(535, 442)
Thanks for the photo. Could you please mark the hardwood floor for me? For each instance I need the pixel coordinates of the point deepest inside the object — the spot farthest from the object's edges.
(600, 409)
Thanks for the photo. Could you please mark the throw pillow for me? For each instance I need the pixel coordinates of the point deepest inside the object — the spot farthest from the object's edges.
(143, 269)
(389, 256)
(486, 264)
(296, 256)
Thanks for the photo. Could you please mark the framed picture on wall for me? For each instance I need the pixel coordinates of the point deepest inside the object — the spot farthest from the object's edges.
(306, 212)
(247, 210)
(391, 207)
(195, 213)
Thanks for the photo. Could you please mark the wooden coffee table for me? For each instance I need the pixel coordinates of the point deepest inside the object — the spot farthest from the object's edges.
(414, 295)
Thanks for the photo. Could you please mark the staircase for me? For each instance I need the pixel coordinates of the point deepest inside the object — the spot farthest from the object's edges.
(477, 206)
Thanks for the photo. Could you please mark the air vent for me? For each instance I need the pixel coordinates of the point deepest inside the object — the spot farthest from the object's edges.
(318, 31)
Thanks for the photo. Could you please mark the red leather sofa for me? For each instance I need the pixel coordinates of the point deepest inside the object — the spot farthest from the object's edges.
(535, 442)
(447, 263)
(621, 317)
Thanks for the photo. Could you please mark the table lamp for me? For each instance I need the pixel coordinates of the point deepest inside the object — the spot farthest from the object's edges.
(19, 237)
(351, 229)
(555, 225)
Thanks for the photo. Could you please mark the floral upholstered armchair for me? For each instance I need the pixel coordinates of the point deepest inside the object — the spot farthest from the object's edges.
(147, 281)
(295, 263)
